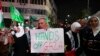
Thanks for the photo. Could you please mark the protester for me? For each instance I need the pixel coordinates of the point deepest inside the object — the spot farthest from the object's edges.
(21, 43)
(91, 35)
(72, 39)
(42, 24)
(83, 22)
(3, 42)
(27, 32)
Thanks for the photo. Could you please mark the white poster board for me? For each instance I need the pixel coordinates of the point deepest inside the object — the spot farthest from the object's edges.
(47, 41)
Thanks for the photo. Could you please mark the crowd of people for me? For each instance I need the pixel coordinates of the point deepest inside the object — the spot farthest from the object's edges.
(81, 38)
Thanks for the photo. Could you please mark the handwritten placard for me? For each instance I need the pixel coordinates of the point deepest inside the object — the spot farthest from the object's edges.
(47, 41)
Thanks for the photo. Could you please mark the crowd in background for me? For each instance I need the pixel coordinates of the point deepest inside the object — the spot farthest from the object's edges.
(81, 38)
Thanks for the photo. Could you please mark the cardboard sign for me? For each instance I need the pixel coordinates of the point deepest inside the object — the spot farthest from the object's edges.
(47, 41)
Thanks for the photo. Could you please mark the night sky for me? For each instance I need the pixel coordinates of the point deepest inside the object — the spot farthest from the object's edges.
(74, 8)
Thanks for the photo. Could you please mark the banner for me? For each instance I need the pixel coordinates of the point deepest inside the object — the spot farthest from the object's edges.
(47, 41)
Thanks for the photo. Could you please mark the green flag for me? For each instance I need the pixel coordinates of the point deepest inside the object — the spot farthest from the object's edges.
(47, 20)
(33, 18)
(1, 17)
(15, 15)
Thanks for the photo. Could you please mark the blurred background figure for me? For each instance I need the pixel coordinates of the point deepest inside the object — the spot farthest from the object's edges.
(83, 22)
(4, 42)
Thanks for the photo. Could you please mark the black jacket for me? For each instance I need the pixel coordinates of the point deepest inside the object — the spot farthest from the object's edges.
(90, 41)
(20, 45)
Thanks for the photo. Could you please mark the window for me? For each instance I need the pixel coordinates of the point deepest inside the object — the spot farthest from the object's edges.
(19, 9)
(7, 22)
(41, 2)
(23, 10)
(8, 0)
(17, 0)
(6, 9)
(44, 2)
(39, 11)
(32, 11)
(44, 12)
(11, 0)
(22, 1)
(3, 9)
(32, 1)
(26, 10)
(3, 0)
(38, 1)
(35, 1)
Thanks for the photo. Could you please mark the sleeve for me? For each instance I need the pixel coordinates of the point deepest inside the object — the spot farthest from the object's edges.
(84, 37)
(26, 41)
(67, 42)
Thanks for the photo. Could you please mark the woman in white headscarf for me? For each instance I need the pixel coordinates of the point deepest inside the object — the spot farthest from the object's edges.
(91, 37)
(21, 43)
(72, 39)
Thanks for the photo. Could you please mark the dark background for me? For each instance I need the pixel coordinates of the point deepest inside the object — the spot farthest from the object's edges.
(74, 8)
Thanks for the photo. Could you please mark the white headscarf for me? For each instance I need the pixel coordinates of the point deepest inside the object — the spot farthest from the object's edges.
(75, 26)
(97, 29)
(21, 33)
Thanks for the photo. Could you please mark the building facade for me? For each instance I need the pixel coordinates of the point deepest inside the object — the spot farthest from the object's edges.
(37, 8)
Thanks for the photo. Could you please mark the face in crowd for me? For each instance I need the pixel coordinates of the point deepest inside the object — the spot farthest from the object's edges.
(94, 22)
(42, 24)
(16, 29)
(83, 22)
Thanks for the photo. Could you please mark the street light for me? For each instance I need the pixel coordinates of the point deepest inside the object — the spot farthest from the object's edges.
(67, 18)
(88, 2)
(68, 15)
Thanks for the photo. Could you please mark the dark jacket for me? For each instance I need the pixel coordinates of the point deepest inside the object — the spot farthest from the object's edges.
(91, 43)
(68, 41)
(20, 45)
